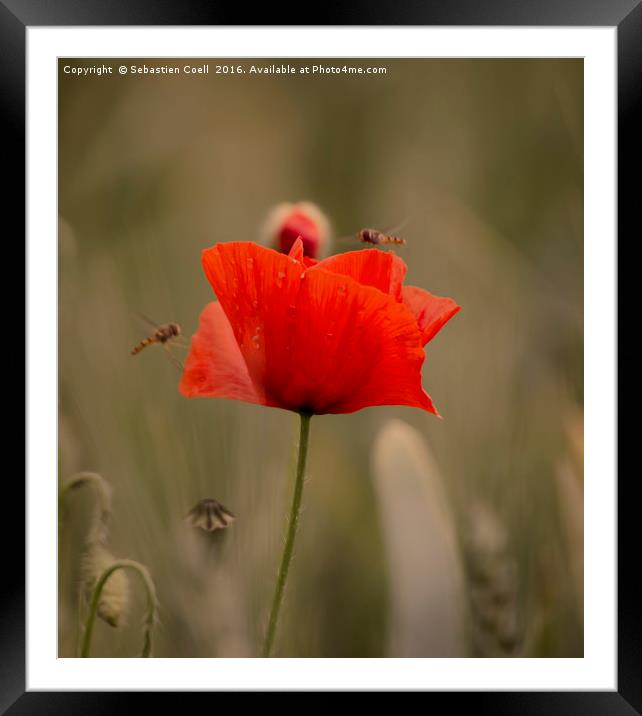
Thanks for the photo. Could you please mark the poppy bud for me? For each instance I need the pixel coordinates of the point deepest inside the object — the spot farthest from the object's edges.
(286, 222)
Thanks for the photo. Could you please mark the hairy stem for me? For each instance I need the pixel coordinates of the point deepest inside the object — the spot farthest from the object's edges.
(150, 614)
(291, 534)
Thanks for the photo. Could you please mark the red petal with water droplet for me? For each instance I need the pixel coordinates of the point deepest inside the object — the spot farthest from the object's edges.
(381, 269)
(215, 367)
(315, 340)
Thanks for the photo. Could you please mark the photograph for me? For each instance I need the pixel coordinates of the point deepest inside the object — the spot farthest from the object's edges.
(320, 357)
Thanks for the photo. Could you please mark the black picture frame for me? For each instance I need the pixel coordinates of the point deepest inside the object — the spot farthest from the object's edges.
(626, 15)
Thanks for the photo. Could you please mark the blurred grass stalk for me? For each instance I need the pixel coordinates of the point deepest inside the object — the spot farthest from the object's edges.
(494, 625)
(424, 567)
(570, 490)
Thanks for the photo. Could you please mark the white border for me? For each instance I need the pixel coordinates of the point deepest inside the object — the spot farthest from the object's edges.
(597, 670)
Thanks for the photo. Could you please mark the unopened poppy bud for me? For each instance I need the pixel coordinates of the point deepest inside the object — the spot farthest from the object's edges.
(114, 597)
(287, 222)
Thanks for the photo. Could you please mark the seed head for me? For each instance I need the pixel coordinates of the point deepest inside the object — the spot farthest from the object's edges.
(210, 515)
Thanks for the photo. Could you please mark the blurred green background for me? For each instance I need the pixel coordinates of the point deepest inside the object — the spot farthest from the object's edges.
(484, 159)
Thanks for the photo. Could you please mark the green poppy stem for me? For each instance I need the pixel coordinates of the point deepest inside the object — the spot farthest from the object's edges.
(291, 534)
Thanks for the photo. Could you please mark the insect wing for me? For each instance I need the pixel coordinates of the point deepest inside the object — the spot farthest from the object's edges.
(147, 321)
(170, 348)
(395, 229)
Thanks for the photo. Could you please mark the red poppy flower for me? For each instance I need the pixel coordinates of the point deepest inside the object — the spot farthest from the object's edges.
(332, 336)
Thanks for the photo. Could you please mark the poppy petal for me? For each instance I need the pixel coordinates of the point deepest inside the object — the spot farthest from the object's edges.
(257, 288)
(314, 340)
(371, 267)
(215, 367)
(296, 253)
(358, 348)
(430, 312)
(296, 250)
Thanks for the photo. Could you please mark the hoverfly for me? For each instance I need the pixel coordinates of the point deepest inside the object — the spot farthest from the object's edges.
(374, 237)
(163, 334)
(210, 515)
(377, 238)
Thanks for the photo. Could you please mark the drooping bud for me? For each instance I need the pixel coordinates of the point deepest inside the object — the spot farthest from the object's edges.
(99, 523)
(286, 222)
(114, 597)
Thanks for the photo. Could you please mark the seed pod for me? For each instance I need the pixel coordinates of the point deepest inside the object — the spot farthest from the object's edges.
(210, 515)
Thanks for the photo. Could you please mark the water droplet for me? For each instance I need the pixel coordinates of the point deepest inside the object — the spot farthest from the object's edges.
(342, 290)
(256, 341)
(250, 261)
